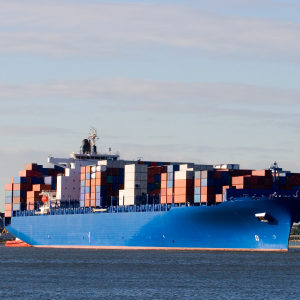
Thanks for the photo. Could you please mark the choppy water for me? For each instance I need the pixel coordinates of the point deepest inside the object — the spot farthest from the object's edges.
(30, 273)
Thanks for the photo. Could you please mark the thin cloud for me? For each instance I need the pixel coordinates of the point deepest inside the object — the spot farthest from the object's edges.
(86, 28)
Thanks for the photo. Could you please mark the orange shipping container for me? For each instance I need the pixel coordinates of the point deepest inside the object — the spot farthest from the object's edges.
(9, 187)
(163, 177)
(93, 182)
(88, 183)
(219, 198)
(82, 176)
(88, 169)
(163, 199)
(197, 182)
(93, 189)
(82, 170)
(164, 192)
(169, 199)
(93, 196)
(33, 200)
(169, 191)
(163, 184)
(17, 200)
(8, 207)
(8, 214)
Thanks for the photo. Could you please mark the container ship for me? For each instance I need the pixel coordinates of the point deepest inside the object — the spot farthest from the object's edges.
(96, 200)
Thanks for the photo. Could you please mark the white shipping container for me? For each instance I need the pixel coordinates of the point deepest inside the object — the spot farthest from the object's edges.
(93, 176)
(129, 200)
(93, 169)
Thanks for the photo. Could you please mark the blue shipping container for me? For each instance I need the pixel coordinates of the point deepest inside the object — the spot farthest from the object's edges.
(197, 191)
(150, 187)
(197, 198)
(157, 178)
(207, 182)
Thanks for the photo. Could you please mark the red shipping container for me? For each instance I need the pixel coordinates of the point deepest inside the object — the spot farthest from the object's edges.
(9, 187)
(141, 162)
(163, 192)
(33, 173)
(115, 171)
(121, 186)
(153, 163)
(150, 171)
(157, 170)
(50, 172)
(166, 163)
(156, 192)
(268, 181)
(217, 175)
(109, 172)
(39, 174)
(31, 167)
(150, 179)
(109, 187)
(28, 180)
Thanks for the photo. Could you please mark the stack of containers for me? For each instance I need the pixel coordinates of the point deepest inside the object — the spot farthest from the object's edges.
(87, 187)
(163, 188)
(20, 188)
(170, 182)
(207, 190)
(101, 177)
(197, 187)
(135, 183)
(184, 186)
(154, 179)
(8, 200)
(82, 187)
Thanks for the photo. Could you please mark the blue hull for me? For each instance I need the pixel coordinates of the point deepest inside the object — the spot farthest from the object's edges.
(231, 225)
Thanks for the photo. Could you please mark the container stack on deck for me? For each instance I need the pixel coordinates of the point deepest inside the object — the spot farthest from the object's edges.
(135, 183)
(103, 182)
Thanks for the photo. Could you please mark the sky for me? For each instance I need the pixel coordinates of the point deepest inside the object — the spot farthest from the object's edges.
(208, 82)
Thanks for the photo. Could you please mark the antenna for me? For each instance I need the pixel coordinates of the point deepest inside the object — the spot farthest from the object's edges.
(93, 137)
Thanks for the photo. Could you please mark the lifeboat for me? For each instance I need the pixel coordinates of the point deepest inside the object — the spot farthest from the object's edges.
(16, 243)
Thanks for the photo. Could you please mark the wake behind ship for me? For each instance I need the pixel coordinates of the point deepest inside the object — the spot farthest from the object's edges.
(94, 200)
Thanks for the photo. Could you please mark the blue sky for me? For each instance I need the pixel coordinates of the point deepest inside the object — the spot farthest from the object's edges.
(201, 81)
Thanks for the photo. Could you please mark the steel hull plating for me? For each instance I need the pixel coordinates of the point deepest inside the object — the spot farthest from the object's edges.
(230, 225)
